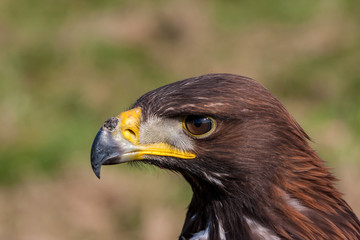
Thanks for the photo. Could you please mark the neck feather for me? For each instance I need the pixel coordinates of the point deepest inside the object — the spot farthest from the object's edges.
(302, 205)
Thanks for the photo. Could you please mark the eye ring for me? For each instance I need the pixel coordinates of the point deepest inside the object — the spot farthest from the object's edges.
(199, 126)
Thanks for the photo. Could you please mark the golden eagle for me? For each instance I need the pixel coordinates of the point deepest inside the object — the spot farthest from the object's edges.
(249, 163)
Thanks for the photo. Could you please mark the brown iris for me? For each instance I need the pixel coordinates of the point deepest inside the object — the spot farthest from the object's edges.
(198, 125)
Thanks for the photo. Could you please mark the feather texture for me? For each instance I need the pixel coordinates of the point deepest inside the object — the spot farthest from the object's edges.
(256, 176)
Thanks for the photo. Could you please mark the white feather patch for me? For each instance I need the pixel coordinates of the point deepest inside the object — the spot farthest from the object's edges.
(213, 179)
(204, 234)
(221, 232)
(262, 232)
(295, 203)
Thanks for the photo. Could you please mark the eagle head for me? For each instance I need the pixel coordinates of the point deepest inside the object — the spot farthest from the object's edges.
(251, 169)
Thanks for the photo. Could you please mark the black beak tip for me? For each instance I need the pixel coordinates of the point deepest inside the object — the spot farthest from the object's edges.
(95, 161)
(96, 170)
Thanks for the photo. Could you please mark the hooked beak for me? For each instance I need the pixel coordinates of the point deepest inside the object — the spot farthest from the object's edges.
(106, 149)
(117, 141)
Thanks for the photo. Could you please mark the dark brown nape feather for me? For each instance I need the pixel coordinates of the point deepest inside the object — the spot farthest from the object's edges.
(255, 177)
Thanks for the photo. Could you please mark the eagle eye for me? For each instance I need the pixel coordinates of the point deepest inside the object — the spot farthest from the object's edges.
(199, 126)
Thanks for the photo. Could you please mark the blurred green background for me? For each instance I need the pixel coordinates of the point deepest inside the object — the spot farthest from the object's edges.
(66, 66)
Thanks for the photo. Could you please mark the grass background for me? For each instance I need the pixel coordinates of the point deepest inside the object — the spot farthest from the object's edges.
(66, 66)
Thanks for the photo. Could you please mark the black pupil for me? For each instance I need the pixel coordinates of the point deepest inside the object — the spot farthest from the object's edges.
(198, 125)
(198, 121)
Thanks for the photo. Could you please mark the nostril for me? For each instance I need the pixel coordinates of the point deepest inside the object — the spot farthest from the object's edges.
(111, 123)
(131, 133)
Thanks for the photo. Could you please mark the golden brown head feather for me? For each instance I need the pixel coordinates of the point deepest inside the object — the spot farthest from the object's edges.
(255, 176)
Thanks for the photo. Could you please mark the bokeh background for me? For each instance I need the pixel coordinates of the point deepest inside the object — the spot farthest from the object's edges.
(66, 66)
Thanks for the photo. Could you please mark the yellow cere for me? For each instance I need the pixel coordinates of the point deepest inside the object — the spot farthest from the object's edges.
(129, 128)
(129, 124)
